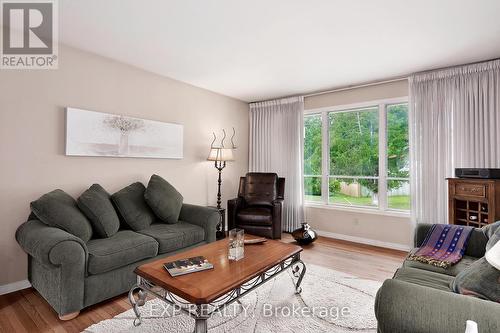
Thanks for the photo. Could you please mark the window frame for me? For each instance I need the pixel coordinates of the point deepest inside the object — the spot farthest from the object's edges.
(382, 142)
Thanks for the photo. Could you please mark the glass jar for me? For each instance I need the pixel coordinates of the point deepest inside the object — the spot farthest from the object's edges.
(236, 244)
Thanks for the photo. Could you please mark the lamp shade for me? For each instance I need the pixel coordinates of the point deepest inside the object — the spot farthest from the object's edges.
(220, 154)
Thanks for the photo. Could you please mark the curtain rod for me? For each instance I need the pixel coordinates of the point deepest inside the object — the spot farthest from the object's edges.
(316, 93)
(362, 85)
(456, 66)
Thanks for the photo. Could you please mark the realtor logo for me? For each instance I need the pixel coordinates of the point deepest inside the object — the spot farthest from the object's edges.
(29, 34)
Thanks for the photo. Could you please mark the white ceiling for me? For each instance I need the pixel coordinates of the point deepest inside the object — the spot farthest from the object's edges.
(260, 49)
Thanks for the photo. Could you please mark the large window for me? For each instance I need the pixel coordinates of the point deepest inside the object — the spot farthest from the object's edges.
(358, 156)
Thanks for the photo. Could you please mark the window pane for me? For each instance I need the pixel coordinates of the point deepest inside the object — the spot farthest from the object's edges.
(398, 195)
(312, 188)
(398, 149)
(353, 192)
(312, 145)
(354, 142)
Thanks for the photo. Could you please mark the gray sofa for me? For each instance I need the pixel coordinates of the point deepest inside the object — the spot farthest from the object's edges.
(418, 299)
(72, 274)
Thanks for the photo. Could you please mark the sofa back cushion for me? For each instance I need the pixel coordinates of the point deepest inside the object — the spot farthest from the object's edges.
(164, 199)
(481, 279)
(260, 188)
(96, 204)
(132, 207)
(59, 209)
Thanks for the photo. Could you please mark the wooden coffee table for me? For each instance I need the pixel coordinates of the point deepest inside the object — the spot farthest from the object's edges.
(203, 293)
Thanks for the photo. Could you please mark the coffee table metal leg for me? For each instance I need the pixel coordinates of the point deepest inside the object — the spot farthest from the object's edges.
(200, 324)
(136, 304)
(299, 273)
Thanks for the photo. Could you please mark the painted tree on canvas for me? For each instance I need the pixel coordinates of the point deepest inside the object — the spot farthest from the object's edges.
(125, 126)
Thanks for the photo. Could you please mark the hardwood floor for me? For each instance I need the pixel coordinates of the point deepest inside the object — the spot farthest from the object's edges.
(27, 311)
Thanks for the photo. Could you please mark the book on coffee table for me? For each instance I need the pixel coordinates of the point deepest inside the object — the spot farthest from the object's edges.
(186, 266)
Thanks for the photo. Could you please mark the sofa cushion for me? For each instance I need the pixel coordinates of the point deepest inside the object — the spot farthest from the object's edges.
(164, 199)
(132, 207)
(96, 204)
(480, 280)
(453, 270)
(171, 237)
(59, 209)
(255, 216)
(123, 248)
(424, 278)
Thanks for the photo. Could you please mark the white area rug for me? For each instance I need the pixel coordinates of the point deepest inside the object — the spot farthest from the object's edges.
(330, 301)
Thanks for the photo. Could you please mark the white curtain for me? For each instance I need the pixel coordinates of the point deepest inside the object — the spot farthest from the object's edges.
(276, 144)
(454, 122)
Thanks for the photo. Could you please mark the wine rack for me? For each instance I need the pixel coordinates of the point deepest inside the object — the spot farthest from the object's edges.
(473, 202)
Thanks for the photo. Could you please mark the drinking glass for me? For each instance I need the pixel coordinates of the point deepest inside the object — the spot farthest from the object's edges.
(236, 244)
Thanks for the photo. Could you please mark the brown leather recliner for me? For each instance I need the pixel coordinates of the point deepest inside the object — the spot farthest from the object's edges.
(258, 207)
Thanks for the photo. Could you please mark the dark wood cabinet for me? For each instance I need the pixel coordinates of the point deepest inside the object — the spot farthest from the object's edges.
(473, 202)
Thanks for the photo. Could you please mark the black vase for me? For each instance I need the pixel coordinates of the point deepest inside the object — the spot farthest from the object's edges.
(304, 235)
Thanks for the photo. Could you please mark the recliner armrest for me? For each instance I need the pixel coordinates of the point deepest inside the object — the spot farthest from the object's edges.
(277, 211)
(49, 245)
(205, 217)
(233, 205)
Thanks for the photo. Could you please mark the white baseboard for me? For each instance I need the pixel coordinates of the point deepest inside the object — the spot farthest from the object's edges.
(14, 286)
(367, 241)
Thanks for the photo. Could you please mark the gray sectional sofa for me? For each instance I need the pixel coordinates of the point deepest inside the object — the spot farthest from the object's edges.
(72, 273)
(419, 298)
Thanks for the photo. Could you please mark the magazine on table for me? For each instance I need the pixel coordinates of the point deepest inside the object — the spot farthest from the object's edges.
(186, 266)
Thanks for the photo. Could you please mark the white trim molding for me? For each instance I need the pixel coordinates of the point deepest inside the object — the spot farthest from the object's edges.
(14, 286)
(366, 241)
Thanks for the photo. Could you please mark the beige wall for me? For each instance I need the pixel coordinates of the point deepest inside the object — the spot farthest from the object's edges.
(32, 137)
(389, 230)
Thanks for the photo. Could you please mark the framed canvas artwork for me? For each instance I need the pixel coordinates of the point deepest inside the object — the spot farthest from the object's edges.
(90, 133)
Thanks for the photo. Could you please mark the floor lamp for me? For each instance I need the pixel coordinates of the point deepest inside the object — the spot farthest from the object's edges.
(220, 156)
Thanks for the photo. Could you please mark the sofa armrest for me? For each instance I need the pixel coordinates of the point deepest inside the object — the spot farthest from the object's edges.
(420, 233)
(205, 217)
(405, 307)
(49, 245)
(233, 205)
(57, 264)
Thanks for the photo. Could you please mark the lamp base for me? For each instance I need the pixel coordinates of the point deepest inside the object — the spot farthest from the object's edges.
(221, 226)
